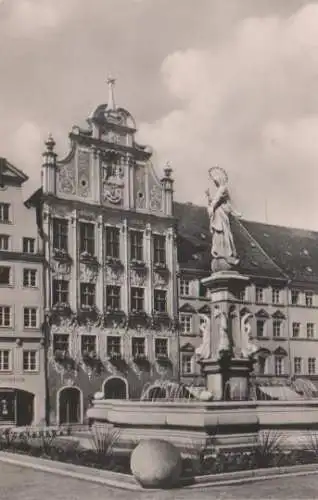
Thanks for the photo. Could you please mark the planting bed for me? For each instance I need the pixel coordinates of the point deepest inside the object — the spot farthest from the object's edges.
(58, 445)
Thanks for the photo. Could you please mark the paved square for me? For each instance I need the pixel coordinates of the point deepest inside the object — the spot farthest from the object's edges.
(17, 482)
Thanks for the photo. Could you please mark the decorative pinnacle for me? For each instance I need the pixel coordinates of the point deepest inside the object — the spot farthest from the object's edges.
(50, 143)
(111, 106)
(167, 169)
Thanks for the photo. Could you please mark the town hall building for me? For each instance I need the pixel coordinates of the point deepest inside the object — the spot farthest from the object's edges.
(110, 289)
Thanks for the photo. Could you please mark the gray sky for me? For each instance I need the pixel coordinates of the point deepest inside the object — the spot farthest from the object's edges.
(232, 82)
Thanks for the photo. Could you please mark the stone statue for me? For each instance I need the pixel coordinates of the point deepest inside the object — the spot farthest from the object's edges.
(223, 251)
(248, 348)
(204, 350)
(224, 343)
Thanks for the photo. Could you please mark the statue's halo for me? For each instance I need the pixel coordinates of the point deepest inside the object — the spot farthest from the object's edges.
(218, 173)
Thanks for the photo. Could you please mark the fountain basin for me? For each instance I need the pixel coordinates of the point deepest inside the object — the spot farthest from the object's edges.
(231, 424)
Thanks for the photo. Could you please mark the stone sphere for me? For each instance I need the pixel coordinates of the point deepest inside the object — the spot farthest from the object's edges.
(156, 464)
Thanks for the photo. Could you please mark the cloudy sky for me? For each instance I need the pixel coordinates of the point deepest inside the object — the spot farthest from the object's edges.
(228, 82)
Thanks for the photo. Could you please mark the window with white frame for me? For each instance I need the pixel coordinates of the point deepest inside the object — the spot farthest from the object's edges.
(5, 275)
(60, 234)
(277, 328)
(30, 317)
(113, 346)
(5, 316)
(160, 301)
(113, 297)
(262, 365)
(295, 329)
(88, 291)
(29, 278)
(260, 328)
(28, 245)
(279, 365)
(61, 342)
(295, 297)
(112, 242)
(4, 242)
(311, 366)
(297, 365)
(310, 328)
(259, 291)
(161, 347)
(309, 299)
(243, 294)
(4, 212)
(87, 238)
(136, 245)
(186, 363)
(184, 287)
(60, 292)
(138, 346)
(137, 296)
(159, 249)
(30, 361)
(276, 296)
(5, 360)
(185, 322)
(88, 344)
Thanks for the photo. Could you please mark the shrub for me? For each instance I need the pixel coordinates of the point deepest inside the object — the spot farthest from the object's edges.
(194, 458)
(269, 452)
(103, 440)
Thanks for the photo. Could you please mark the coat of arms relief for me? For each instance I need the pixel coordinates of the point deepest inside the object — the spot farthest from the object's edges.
(112, 179)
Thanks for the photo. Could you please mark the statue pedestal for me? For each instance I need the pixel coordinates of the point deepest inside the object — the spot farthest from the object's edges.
(228, 379)
(227, 373)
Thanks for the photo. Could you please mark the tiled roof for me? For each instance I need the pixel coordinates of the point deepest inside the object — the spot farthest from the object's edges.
(264, 250)
(293, 250)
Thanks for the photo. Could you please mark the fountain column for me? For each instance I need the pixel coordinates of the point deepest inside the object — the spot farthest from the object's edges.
(226, 354)
(227, 369)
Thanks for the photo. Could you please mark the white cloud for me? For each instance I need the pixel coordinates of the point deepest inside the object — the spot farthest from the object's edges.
(251, 105)
(32, 18)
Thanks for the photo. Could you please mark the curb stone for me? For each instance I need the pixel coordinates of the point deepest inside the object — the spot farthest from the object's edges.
(127, 482)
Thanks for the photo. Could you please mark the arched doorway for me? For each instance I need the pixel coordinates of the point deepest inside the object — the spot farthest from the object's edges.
(115, 388)
(69, 406)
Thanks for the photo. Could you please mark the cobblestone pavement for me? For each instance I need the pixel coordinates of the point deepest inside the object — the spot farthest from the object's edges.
(17, 482)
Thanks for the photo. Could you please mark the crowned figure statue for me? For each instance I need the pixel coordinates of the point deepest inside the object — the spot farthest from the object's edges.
(223, 251)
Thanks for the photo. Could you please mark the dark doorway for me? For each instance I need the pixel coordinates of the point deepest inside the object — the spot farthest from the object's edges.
(115, 388)
(70, 406)
(25, 408)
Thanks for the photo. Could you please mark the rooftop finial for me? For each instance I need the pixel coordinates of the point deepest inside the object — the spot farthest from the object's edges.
(50, 143)
(168, 169)
(111, 106)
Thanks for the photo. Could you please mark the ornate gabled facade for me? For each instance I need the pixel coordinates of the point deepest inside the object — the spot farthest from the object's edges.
(22, 385)
(110, 278)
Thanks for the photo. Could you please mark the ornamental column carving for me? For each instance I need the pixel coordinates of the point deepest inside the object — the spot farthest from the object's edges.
(171, 264)
(124, 249)
(73, 250)
(100, 285)
(48, 242)
(149, 264)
